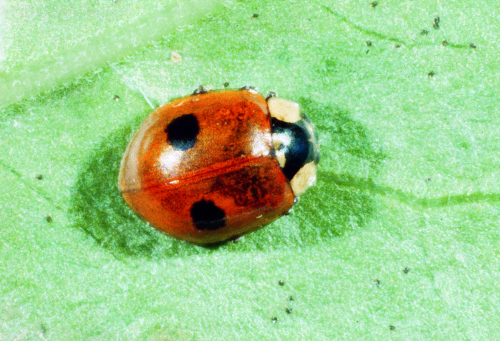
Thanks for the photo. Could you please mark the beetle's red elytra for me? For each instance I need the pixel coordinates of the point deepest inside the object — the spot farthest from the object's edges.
(215, 165)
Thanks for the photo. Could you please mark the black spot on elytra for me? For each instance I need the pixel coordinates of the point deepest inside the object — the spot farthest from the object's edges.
(296, 145)
(183, 131)
(207, 217)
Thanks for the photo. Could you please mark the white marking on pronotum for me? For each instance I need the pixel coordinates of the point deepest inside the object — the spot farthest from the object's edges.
(304, 178)
(284, 110)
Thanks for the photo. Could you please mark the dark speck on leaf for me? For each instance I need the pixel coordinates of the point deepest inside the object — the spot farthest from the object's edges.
(435, 23)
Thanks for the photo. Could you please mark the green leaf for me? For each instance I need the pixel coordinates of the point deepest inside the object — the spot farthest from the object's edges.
(397, 239)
